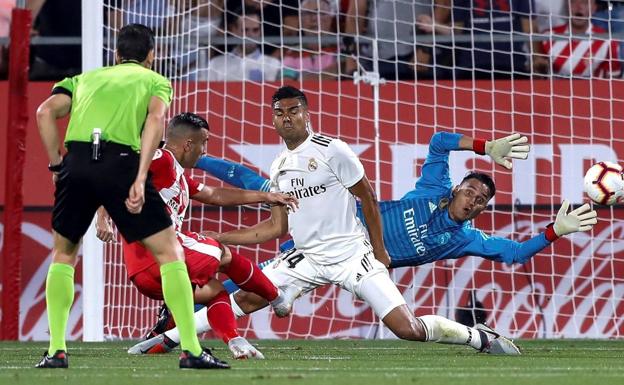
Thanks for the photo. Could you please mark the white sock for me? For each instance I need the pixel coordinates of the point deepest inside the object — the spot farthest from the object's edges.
(445, 331)
(238, 312)
(201, 325)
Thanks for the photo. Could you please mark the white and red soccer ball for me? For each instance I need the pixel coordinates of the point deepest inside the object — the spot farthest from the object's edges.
(604, 183)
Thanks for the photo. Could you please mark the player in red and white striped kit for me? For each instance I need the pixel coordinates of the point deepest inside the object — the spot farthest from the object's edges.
(574, 51)
(187, 135)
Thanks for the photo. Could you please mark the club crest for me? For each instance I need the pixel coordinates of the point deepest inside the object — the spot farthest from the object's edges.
(312, 165)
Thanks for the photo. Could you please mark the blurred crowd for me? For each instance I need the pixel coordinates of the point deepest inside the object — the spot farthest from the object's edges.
(268, 40)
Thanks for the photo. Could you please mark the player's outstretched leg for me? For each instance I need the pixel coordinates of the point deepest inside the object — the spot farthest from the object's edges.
(388, 303)
(482, 338)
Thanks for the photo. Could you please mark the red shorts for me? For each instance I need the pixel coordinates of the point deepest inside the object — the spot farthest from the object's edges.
(202, 258)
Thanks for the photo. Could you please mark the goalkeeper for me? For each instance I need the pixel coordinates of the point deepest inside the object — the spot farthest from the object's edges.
(433, 221)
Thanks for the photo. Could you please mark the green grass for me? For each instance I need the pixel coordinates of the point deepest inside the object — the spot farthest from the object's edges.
(330, 362)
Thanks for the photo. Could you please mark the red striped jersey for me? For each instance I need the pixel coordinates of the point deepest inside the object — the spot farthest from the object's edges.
(586, 57)
(174, 186)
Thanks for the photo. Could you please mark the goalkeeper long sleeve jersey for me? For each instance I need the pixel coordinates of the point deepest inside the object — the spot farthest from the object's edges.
(416, 229)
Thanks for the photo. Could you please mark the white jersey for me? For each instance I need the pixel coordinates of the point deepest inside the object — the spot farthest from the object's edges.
(319, 173)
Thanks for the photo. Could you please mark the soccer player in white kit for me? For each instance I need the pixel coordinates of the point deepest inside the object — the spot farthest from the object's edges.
(331, 244)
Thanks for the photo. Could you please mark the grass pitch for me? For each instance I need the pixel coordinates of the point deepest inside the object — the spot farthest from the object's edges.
(329, 362)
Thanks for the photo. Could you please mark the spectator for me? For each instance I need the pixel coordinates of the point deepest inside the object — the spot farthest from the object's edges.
(549, 14)
(273, 14)
(158, 16)
(201, 21)
(390, 23)
(288, 28)
(56, 18)
(314, 60)
(611, 18)
(6, 6)
(291, 24)
(246, 60)
(203, 16)
(489, 20)
(573, 51)
(424, 64)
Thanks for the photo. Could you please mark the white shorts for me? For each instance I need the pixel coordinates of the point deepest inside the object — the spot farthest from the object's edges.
(360, 274)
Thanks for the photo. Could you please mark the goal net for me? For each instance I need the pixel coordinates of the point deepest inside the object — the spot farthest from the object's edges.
(464, 78)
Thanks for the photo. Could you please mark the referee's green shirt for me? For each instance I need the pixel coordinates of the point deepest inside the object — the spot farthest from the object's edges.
(114, 99)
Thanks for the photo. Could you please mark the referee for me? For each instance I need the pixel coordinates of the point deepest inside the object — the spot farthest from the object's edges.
(116, 123)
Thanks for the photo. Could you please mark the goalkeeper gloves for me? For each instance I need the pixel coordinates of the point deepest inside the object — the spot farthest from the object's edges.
(580, 219)
(501, 150)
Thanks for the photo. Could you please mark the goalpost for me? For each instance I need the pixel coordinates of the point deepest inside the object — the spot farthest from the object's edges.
(573, 289)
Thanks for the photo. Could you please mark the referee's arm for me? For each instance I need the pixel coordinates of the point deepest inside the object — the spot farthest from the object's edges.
(53, 108)
(150, 139)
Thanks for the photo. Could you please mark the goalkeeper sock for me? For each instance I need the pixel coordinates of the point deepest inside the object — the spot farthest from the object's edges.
(178, 295)
(445, 331)
(221, 317)
(250, 278)
(59, 298)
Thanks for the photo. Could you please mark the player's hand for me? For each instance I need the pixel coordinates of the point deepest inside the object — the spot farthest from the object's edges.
(136, 197)
(104, 227)
(580, 219)
(510, 147)
(210, 234)
(282, 199)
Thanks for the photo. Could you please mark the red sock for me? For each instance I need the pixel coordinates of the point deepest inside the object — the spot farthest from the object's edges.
(221, 317)
(250, 278)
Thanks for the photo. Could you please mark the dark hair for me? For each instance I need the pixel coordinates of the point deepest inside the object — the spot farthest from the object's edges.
(483, 178)
(288, 92)
(187, 120)
(134, 42)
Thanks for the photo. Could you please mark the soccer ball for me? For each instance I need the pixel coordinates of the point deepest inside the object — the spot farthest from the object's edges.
(604, 183)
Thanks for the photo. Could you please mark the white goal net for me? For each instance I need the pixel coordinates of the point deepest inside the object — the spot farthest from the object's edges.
(444, 71)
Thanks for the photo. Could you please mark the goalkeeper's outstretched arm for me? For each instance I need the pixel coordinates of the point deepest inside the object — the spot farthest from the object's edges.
(233, 173)
(506, 250)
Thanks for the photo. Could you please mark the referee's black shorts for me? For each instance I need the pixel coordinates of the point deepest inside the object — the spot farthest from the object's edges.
(84, 185)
